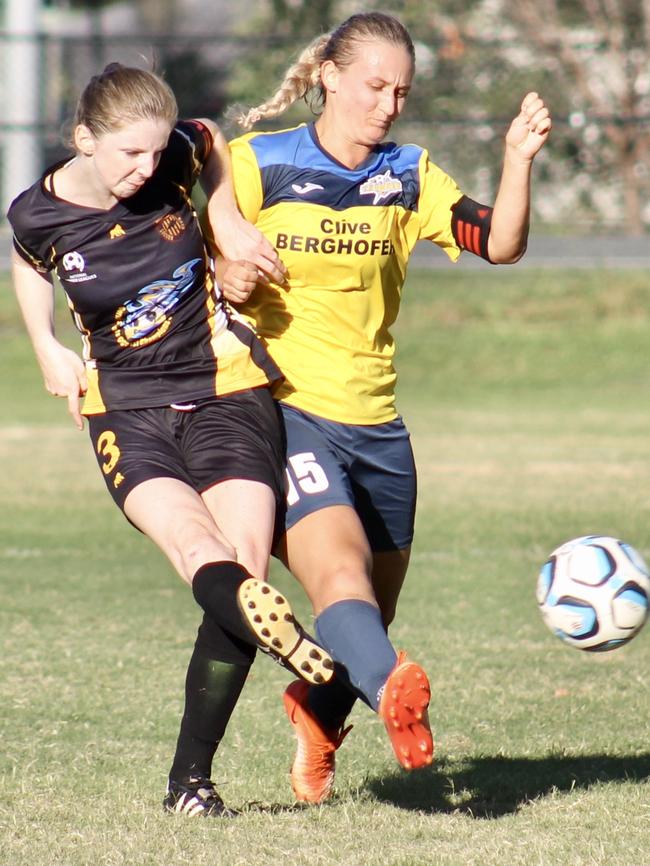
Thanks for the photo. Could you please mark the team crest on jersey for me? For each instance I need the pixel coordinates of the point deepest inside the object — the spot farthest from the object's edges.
(148, 316)
(381, 186)
(171, 227)
(75, 268)
(116, 232)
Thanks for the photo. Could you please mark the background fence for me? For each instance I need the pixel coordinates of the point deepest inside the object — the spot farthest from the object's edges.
(580, 185)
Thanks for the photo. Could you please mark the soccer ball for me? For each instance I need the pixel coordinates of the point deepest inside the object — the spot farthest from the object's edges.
(593, 592)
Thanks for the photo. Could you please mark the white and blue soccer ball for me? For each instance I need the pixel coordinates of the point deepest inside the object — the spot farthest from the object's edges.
(593, 592)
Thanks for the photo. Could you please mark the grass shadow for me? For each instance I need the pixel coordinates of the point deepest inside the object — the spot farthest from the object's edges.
(489, 787)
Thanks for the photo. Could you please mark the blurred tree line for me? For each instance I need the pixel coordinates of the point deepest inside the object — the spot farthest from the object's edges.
(590, 59)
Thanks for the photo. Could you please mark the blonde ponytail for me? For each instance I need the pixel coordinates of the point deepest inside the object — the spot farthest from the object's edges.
(302, 77)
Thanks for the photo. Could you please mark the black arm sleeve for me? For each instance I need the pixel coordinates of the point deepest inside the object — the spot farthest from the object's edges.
(30, 218)
(470, 224)
(189, 146)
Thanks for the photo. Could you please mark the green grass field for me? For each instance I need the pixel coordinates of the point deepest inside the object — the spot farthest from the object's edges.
(527, 396)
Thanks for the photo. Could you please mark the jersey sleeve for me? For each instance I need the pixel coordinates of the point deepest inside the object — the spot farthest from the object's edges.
(189, 147)
(438, 194)
(246, 178)
(31, 239)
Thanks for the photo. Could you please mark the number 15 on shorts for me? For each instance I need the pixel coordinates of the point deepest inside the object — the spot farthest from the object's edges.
(304, 475)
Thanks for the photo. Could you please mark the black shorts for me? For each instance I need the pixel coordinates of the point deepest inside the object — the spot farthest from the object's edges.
(236, 436)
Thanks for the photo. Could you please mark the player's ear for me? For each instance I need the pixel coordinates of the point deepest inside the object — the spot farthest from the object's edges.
(84, 140)
(329, 76)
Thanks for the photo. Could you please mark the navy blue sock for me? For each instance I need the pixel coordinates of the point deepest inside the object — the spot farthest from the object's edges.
(353, 633)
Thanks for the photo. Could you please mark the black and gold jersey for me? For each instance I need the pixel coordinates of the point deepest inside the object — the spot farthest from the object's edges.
(138, 281)
(345, 236)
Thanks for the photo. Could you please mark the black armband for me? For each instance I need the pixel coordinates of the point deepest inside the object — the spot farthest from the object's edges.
(470, 224)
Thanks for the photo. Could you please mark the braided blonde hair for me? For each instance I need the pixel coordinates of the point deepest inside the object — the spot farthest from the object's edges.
(303, 76)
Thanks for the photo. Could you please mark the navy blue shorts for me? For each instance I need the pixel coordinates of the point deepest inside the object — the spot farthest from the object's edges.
(369, 467)
(235, 436)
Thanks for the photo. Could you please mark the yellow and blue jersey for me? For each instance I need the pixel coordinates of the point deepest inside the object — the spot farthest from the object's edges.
(345, 236)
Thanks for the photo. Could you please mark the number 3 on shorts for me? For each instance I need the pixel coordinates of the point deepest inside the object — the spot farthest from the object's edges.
(107, 447)
(309, 475)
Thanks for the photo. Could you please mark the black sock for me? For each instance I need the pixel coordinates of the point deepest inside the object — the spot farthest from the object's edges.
(215, 587)
(215, 677)
(332, 702)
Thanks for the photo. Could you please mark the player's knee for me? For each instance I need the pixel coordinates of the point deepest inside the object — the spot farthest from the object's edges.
(196, 544)
(255, 562)
(352, 580)
(339, 582)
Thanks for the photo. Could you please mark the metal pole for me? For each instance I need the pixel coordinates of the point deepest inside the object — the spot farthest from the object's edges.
(21, 162)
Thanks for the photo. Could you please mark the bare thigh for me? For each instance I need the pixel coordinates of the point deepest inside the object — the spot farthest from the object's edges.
(245, 512)
(328, 552)
(173, 516)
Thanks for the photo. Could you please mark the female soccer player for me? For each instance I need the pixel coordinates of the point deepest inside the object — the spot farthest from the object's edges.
(176, 385)
(344, 209)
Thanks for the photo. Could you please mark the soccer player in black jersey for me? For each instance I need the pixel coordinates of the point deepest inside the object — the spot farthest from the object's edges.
(345, 208)
(176, 385)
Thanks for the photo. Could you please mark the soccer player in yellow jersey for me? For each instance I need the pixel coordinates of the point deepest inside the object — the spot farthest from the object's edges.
(344, 209)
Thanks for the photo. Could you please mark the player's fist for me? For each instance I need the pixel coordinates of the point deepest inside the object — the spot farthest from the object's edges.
(530, 129)
(238, 279)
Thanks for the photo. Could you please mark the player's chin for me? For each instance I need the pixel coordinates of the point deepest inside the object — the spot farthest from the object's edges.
(126, 189)
(376, 134)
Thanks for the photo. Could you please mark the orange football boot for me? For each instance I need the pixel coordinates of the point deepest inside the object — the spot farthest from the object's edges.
(312, 772)
(403, 709)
